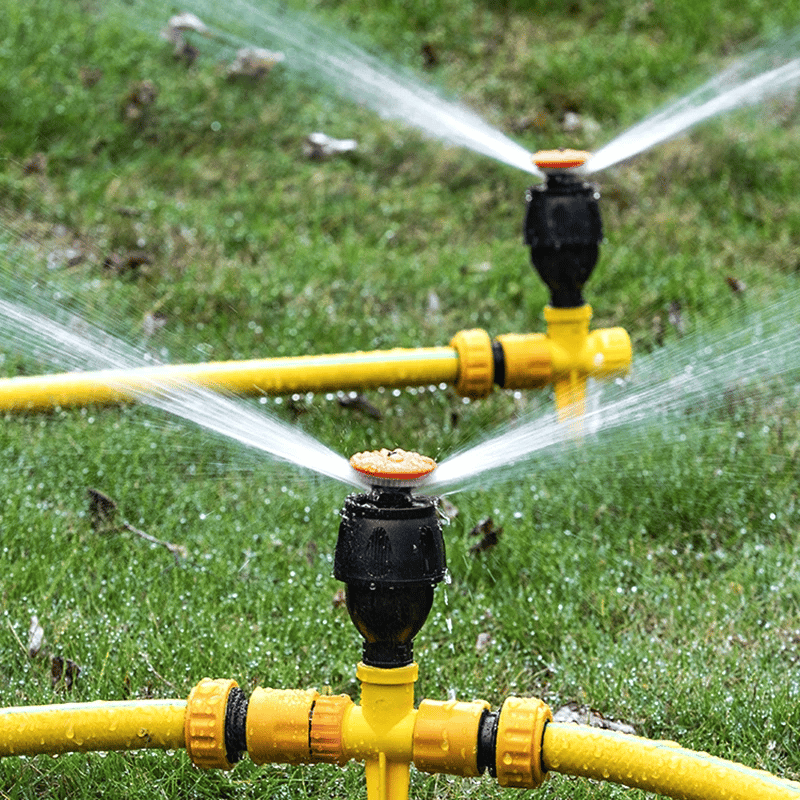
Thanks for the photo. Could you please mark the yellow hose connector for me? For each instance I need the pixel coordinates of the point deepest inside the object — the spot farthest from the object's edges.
(446, 736)
(278, 725)
(475, 363)
(205, 723)
(519, 742)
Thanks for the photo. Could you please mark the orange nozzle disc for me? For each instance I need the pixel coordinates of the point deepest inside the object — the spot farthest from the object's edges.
(560, 159)
(392, 467)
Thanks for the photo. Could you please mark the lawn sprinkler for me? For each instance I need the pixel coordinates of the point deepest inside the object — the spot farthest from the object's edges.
(563, 230)
(390, 555)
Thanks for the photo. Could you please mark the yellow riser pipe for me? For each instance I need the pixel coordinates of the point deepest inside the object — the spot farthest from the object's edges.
(662, 767)
(273, 376)
(71, 727)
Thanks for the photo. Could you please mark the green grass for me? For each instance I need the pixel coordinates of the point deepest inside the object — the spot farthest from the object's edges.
(654, 577)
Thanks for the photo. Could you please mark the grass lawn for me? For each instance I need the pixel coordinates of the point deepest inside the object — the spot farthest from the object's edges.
(652, 575)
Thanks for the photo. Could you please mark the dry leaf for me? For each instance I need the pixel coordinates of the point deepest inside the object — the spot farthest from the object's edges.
(127, 262)
(35, 637)
(675, 318)
(254, 63)
(358, 402)
(63, 668)
(318, 146)
(448, 508)
(583, 715)
(489, 535)
(136, 104)
(35, 165)
(482, 642)
(102, 510)
(152, 323)
(736, 286)
(90, 76)
(430, 58)
(339, 598)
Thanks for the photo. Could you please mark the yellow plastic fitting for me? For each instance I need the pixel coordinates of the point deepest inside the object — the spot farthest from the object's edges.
(528, 360)
(519, 742)
(446, 736)
(278, 725)
(475, 363)
(380, 730)
(578, 355)
(204, 725)
(327, 722)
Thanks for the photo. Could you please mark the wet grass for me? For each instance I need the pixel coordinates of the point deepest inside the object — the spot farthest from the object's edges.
(654, 578)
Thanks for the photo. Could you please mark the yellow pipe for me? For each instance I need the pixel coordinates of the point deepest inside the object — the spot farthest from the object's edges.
(568, 355)
(662, 767)
(360, 370)
(70, 727)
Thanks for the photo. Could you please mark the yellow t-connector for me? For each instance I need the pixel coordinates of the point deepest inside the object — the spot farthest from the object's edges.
(578, 354)
(387, 733)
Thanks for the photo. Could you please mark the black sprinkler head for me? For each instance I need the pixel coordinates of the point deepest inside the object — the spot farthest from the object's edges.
(390, 554)
(563, 229)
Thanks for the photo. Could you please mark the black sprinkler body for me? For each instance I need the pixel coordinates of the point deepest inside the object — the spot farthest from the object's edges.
(563, 230)
(390, 554)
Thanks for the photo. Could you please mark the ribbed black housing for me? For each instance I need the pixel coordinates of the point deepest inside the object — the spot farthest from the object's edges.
(563, 228)
(390, 554)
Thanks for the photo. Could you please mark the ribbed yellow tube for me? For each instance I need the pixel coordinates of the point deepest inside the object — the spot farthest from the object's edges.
(71, 727)
(273, 376)
(656, 766)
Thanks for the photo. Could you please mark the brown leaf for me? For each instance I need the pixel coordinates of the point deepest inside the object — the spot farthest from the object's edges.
(102, 510)
(358, 402)
(63, 668)
(448, 508)
(658, 330)
(736, 286)
(254, 63)
(489, 536)
(126, 262)
(675, 318)
(430, 58)
(35, 165)
(339, 598)
(311, 553)
(152, 323)
(90, 76)
(135, 106)
(319, 146)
